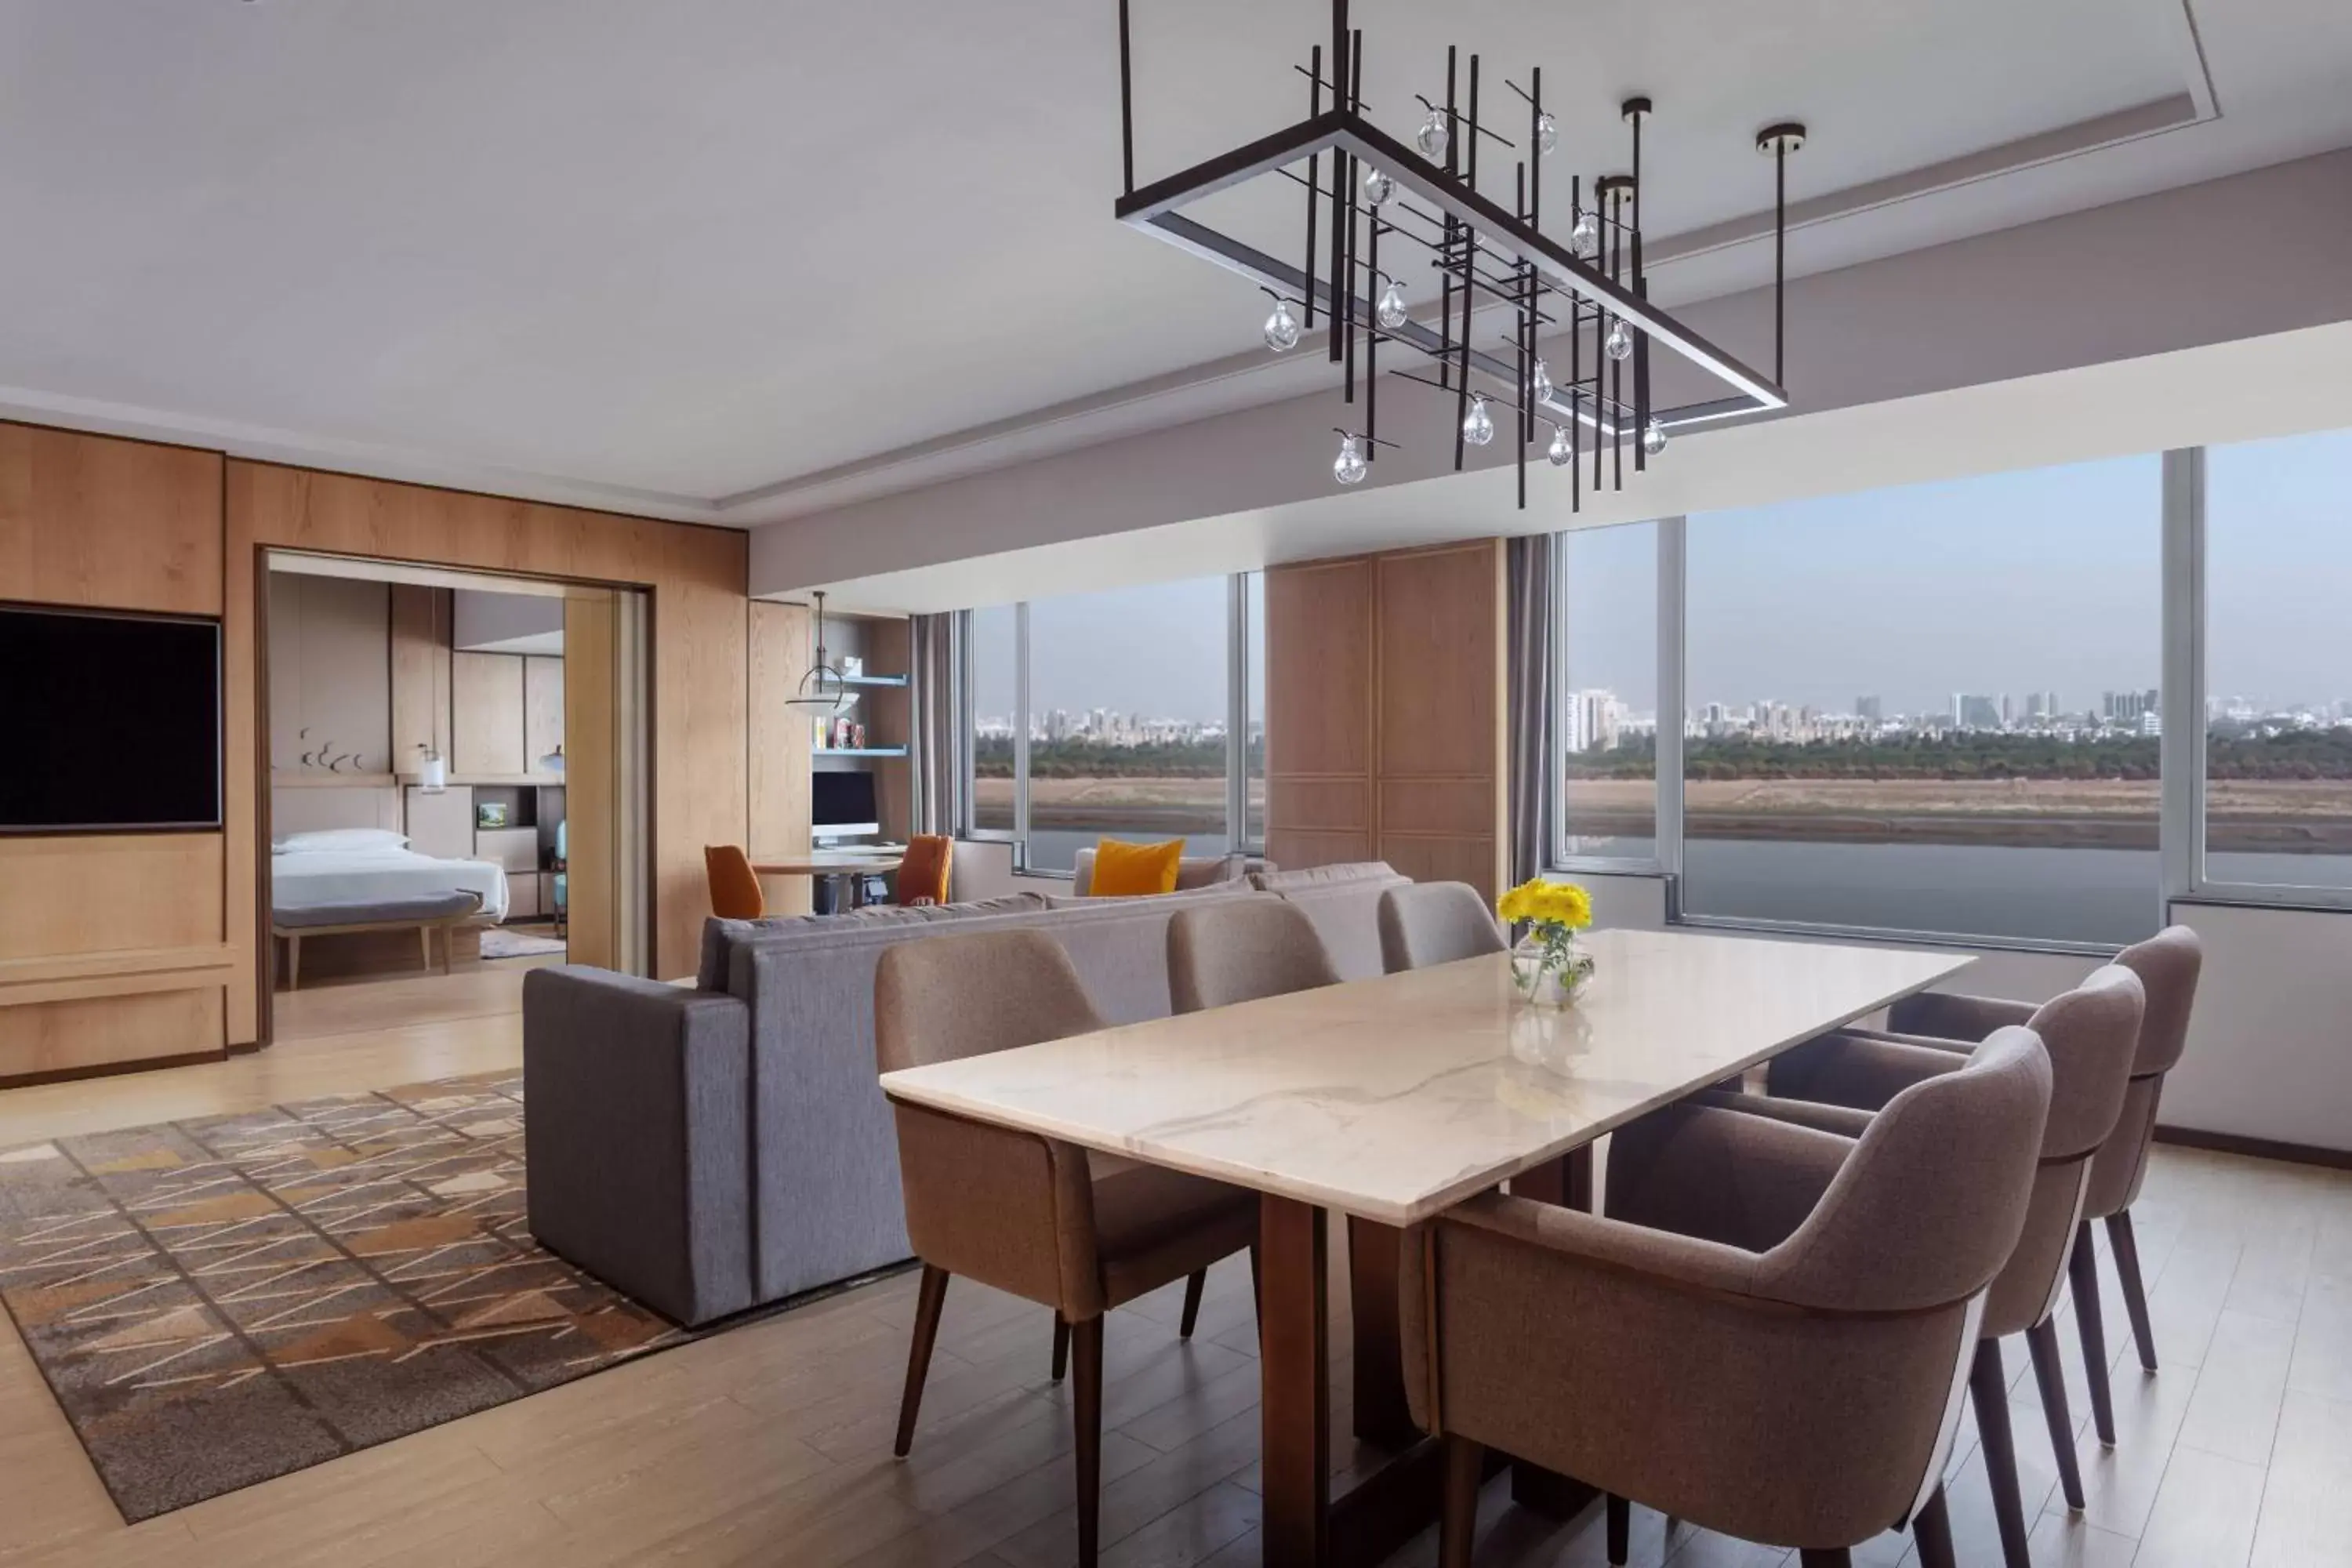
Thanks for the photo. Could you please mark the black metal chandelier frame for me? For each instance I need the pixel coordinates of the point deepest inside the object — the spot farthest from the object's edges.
(1479, 248)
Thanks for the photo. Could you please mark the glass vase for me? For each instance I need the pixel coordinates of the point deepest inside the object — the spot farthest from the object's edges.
(1551, 971)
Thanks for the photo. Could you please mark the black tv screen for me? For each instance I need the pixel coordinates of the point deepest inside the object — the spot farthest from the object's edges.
(842, 800)
(113, 722)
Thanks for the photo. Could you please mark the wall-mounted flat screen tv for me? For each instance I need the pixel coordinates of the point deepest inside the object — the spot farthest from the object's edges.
(111, 722)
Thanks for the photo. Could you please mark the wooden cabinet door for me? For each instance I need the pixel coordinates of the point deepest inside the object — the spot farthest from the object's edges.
(486, 715)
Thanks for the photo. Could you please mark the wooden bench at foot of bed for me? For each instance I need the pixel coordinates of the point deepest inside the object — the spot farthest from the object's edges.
(437, 911)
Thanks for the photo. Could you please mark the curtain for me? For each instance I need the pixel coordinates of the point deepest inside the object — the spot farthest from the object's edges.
(938, 719)
(1531, 629)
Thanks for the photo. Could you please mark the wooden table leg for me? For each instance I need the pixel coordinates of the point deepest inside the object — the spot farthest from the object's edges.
(1383, 1417)
(1295, 1369)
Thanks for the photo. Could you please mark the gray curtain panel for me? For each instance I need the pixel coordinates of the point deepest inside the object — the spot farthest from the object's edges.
(1533, 620)
(938, 712)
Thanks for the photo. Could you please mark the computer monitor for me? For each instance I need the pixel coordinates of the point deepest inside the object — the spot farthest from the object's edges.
(841, 806)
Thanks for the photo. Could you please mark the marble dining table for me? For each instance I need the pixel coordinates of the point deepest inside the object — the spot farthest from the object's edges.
(1386, 1102)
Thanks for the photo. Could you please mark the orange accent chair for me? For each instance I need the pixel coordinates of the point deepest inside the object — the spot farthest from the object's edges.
(924, 874)
(734, 886)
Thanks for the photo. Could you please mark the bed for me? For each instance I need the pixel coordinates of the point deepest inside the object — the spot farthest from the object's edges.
(344, 881)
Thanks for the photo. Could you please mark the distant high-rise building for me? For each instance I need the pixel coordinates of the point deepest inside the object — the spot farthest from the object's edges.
(1868, 710)
(1972, 712)
(1593, 719)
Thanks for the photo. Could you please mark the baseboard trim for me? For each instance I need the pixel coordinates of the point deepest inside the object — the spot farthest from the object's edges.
(110, 1070)
(2257, 1148)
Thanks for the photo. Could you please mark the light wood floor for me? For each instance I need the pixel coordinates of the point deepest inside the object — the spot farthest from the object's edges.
(771, 1444)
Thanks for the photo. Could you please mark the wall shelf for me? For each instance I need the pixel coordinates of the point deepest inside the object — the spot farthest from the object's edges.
(860, 751)
(883, 681)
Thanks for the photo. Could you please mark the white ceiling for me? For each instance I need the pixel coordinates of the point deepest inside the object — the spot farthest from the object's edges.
(732, 261)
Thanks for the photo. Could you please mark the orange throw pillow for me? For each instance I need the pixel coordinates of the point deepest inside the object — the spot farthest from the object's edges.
(1134, 871)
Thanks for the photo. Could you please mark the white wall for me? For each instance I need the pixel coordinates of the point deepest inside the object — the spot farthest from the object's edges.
(2269, 1045)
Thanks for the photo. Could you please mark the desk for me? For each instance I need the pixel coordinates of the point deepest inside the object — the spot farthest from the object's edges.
(873, 861)
(1390, 1100)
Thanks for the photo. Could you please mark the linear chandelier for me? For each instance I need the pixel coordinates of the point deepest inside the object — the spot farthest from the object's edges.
(1423, 201)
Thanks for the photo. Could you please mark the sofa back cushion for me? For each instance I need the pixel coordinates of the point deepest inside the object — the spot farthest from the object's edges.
(1344, 902)
(720, 937)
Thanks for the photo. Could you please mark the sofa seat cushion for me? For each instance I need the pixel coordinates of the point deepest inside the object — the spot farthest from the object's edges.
(1155, 1225)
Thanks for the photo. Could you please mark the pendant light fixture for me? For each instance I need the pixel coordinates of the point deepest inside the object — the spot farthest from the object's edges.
(822, 692)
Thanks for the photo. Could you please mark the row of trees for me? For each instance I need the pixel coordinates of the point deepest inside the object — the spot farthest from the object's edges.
(2298, 754)
(992, 759)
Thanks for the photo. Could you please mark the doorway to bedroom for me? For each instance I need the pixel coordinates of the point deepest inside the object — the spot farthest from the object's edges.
(458, 794)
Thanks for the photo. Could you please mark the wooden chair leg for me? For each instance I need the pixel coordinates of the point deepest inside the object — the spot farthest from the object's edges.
(2084, 1268)
(1620, 1529)
(1932, 1530)
(2051, 1374)
(1085, 1410)
(2126, 1246)
(1192, 1287)
(928, 1301)
(1989, 1392)
(1457, 1527)
(1061, 1346)
(426, 934)
(1828, 1557)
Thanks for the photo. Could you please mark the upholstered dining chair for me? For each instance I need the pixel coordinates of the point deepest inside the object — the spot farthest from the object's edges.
(1239, 950)
(1765, 1335)
(1423, 923)
(926, 871)
(1079, 1232)
(2168, 964)
(2091, 1033)
(734, 886)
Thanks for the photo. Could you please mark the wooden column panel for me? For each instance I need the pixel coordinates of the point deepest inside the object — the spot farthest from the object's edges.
(486, 715)
(592, 787)
(421, 618)
(1320, 712)
(781, 652)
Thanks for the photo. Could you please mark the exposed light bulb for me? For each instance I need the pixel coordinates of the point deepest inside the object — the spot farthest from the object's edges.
(1654, 437)
(1282, 327)
(1348, 467)
(1559, 451)
(1547, 132)
(1584, 239)
(1540, 381)
(1619, 344)
(1477, 426)
(1390, 312)
(1378, 186)
(1433, 136)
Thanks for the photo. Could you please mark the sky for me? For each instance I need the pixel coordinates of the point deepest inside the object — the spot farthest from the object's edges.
(2047, 579)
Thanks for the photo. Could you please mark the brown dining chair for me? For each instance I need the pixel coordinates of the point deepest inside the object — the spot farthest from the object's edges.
(2168, 964)
(1072, 1230)
(1239, 950)
(2091, 1032)
(1423, 923)
(1767, 1333)
(734, 886)
(925, 872)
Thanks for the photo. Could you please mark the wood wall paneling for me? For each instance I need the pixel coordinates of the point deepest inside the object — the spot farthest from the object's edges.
(420, 673)
(51, 1039)
(112, 891)
(543, 709)
(1319, 708)
(780, 745)
(329, 673)
(592, 778)
(486, 709)
(94, 522)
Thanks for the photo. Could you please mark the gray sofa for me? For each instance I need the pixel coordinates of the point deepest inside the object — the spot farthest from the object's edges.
(708, 1149)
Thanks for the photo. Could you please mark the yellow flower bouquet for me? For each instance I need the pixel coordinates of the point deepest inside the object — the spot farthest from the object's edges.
(1549, 965)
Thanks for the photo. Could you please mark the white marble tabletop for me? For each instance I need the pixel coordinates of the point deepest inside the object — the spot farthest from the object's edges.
(1393, 1099)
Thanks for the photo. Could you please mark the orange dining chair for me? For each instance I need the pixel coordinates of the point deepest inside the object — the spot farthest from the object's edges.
(923, 875)
(734, 886)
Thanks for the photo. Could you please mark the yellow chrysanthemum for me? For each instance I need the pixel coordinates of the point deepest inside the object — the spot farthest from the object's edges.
(1547, 903)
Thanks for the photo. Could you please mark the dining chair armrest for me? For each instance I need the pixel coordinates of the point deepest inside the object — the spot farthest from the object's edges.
(1844, 1120)
(1947, 1015)
(1007, 1208)
(1710, 1172)
(1610, 1244)
(1862, 1071)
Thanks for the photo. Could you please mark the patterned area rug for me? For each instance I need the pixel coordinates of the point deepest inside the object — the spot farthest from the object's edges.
(498, 941)
(217, 1302)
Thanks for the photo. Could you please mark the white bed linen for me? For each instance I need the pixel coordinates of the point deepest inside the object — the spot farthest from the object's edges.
(306, 877)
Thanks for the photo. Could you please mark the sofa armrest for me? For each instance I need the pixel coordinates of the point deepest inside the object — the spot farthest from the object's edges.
(636, 1136)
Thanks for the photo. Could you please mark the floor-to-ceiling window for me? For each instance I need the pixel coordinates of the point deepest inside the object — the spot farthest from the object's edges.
(2278, 664)
(1112, 715)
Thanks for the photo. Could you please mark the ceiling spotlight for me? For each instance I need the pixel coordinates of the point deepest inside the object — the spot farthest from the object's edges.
(1477, 426)
(1282, 327)
(1654, 437)
(1618, 345)
(1433, 136)
(1378, 186)
(1390, 312)
(1348, 467)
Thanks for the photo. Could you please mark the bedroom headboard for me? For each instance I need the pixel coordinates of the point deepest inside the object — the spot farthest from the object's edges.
(307, 808)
